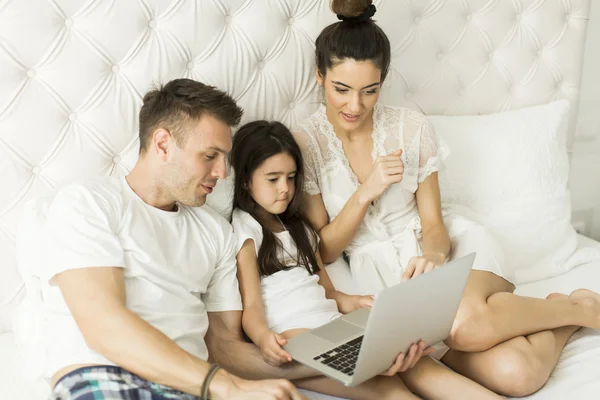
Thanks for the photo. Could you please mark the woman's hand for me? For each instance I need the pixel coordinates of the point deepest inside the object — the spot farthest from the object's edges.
(348, 303)
(405, 361)
(230, 387)
(386, 171)
(420, 264)
(270, 346)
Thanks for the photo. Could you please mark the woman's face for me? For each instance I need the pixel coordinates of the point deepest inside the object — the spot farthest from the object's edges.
(351, 91)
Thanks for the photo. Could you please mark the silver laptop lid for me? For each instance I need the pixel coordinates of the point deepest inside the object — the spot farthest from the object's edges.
(439, 293)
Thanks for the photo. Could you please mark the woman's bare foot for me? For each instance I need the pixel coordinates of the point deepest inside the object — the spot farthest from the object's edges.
(589, 300)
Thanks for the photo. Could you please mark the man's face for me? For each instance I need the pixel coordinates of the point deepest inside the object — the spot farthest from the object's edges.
(192, 171)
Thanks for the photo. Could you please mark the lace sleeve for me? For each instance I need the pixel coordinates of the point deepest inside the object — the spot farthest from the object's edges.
(311, 166)
(432, 152)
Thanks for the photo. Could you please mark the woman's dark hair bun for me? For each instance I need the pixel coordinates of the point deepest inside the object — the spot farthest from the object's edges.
(350, 8)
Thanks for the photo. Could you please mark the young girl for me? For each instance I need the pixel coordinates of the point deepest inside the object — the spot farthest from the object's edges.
(285, 288)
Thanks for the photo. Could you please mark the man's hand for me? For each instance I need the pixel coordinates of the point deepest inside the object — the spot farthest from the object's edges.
(230, 387)
(406, 361)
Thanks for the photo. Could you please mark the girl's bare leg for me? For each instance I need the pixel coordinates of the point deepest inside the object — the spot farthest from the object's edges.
(379, 387)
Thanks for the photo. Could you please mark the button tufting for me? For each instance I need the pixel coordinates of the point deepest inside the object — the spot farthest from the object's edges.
(31, 73)
(291, 105)
(116, 68)
(152, 24)
(567, 17)
(440, 55)
(291, 21)
(228, 19)
(69, 22)
(461, 92)
(260, 65)
(469, 17)
(36, 170)
(491, 55)
(73, 117)
(190, 65)
(116, 159)
(519, 17)
(417, 20)
(408, 95)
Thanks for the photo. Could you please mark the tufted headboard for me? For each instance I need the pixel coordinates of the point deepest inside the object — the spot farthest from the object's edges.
(72, 74)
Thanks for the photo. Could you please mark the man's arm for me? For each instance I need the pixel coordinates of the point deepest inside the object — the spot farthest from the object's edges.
(227, 348)
(96, 298)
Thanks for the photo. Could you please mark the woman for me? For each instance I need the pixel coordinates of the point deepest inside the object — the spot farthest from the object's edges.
(372, 191)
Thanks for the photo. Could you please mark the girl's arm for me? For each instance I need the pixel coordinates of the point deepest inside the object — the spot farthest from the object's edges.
(254, 321)
(346, 303)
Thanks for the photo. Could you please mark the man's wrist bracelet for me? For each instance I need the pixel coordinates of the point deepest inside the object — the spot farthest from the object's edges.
(211, 373)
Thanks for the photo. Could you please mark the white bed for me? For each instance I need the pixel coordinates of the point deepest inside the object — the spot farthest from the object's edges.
(576, 377)
(73, 74)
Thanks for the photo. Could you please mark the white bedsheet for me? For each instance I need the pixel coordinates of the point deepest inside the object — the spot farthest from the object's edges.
(577, 376)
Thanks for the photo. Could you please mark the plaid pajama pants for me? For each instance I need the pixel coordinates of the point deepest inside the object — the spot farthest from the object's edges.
(111, 383)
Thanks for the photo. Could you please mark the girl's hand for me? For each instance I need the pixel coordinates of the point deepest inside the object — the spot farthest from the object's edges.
(270, 346)
(421, 264)
(347, 303)
(386, 171)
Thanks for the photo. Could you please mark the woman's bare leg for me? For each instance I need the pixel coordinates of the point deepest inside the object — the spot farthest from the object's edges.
(433, 381)
(517, 367)
(379, 387)
(490, 313)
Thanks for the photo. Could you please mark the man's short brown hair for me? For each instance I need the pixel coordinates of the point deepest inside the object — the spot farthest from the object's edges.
(176, 105)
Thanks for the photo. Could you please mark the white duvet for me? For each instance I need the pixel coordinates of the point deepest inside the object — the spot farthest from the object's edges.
(577, 376)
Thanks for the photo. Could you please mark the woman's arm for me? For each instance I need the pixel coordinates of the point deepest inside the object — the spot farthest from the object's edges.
(435, 240)
(254, 321)
(336, 235)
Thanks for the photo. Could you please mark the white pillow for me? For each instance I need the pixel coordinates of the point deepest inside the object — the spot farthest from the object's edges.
(221, 199)
(509, 172)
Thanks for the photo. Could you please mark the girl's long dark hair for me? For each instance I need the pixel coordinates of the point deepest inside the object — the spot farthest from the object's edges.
(253, 144)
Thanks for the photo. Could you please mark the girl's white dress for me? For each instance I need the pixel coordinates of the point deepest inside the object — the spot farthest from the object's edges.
(390, 233)
(292, 298)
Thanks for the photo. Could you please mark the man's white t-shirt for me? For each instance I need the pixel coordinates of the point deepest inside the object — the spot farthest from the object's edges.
(177, 265)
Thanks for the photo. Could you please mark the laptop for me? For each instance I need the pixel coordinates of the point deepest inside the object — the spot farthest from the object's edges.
(365, 343)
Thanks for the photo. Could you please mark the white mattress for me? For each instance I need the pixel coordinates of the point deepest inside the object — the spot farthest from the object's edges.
(577, 376)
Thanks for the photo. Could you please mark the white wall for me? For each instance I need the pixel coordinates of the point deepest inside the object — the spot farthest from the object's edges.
(585, 167)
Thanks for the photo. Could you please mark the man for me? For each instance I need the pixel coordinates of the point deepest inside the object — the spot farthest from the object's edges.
(135, 264)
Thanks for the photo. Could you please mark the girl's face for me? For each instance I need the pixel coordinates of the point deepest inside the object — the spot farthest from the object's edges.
(351, 91)
(273, 183)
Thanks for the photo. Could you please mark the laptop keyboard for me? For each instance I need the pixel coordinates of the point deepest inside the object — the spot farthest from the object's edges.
(342, 358)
